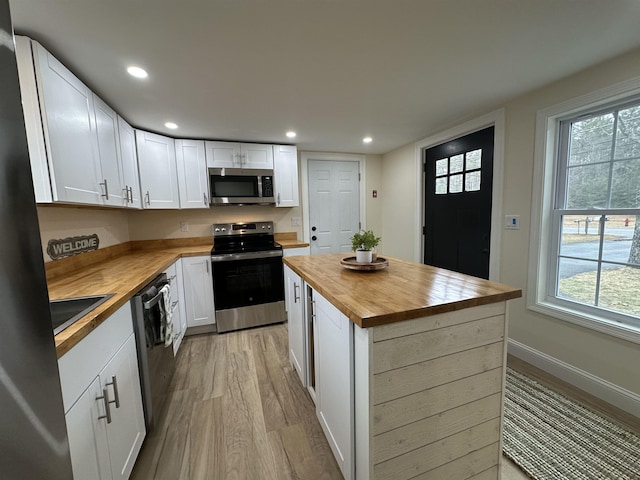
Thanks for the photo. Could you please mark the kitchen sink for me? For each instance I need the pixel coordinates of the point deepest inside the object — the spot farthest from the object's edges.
(66, 311)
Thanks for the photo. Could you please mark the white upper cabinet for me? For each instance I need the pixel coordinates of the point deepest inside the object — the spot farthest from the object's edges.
(158, 173)
(285, 175)
(222, 154)
(256, 155)
(66, 121)
(106, 121)
(239, 155)
(129, 158)
(193, 177)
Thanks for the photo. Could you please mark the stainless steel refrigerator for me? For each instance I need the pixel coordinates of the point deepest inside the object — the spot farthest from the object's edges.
(33, 434)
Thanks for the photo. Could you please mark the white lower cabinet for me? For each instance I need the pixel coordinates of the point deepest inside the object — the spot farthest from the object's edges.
(334, 380)
(294, 302)
(198, 291)
(178, 313)
(103, 402)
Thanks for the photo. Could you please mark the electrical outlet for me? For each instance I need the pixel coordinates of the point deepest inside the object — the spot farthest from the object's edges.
(512, 222)
(295, 221)
(184, 227)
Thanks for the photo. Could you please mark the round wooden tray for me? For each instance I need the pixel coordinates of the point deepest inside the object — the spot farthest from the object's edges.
(378, 264)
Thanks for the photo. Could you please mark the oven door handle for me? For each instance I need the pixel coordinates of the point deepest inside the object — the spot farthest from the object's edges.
(230, 257)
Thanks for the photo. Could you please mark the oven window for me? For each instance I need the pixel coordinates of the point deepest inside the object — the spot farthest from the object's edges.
(242, 283)
(234, 186)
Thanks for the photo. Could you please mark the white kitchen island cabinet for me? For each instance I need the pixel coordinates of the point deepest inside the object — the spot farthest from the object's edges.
(239, 155)
(193, 177)
(407, 365)
(158, 171)
(285, 175)
(102, 399)
(198, 291)
(296, 322)
(334, 380)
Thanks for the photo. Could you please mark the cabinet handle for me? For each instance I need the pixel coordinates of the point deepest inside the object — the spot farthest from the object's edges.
(207, 265)
(147, 198)
(278, 199)
(114, 383)
(172, 278)
(313, 309)
(125, 190)
(106, 189)
(130, 194)
(107, 409)
(295, 295)
(206, 200)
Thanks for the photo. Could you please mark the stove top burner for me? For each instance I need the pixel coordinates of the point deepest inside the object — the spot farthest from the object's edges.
(243, 237)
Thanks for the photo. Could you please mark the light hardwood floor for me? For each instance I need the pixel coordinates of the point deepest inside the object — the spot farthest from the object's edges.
(237, 410)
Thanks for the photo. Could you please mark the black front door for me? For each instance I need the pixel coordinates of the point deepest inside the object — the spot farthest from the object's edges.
(458, 183)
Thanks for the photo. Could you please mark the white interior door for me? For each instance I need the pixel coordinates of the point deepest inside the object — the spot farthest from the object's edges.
(334, 205)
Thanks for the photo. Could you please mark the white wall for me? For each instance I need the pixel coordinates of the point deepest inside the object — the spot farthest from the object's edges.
(112, 226)
(606, 357)
(399, 205)
(161, 224)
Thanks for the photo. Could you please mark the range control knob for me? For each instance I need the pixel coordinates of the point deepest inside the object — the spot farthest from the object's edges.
(224, 229)
(264, 226)
(268, 227)
(216, 230)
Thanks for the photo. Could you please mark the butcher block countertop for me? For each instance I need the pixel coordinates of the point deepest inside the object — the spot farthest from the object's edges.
(122, 270)
(124, 276)
(402, 291)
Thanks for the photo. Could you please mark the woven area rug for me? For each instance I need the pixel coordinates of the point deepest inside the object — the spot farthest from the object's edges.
(552, 437)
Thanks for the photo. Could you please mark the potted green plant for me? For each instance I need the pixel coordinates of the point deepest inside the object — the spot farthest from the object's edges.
(363, 244)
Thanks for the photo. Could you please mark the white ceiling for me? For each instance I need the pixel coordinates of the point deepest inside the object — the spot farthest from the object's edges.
(333, 70)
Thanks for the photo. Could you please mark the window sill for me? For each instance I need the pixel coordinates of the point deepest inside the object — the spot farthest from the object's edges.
(613, 328)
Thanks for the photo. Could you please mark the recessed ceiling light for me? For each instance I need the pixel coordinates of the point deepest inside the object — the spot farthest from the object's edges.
(367, 140)
(137, 72)
(171, 125)
(291, 134)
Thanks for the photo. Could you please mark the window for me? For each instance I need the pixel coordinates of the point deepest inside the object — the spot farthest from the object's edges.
(591, 258)
(451, 171)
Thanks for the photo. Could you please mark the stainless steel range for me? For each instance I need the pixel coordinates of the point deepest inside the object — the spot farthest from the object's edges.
(248, 282)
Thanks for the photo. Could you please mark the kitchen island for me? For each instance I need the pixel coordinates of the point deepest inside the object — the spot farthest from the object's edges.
(406, 365)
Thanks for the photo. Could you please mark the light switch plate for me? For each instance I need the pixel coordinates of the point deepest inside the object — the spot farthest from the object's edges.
(512, 222)
(184, 227)
(295, 221)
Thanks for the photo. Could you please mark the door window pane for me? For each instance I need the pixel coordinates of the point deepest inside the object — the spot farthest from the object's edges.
(441, 186)
(588, 186)
(472, 181)
(456, 163)
(474, 159)
(442, 167)
(455, 183)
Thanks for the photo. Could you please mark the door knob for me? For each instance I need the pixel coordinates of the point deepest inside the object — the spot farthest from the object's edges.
(313, 229)
(314, 238)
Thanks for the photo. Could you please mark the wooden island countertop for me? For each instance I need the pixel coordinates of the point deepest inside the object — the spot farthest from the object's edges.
(402, 291)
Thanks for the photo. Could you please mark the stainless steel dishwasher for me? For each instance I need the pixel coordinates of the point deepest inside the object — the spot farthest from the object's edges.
(155, 359)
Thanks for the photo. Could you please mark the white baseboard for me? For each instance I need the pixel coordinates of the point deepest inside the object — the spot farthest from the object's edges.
(596, 386)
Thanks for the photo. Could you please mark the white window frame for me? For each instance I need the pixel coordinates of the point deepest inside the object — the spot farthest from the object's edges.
(544, 241)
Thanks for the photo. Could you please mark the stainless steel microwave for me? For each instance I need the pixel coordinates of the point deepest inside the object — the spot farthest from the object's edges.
(241, 186)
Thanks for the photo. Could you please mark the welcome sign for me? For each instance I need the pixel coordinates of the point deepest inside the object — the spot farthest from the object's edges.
(69, 246)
